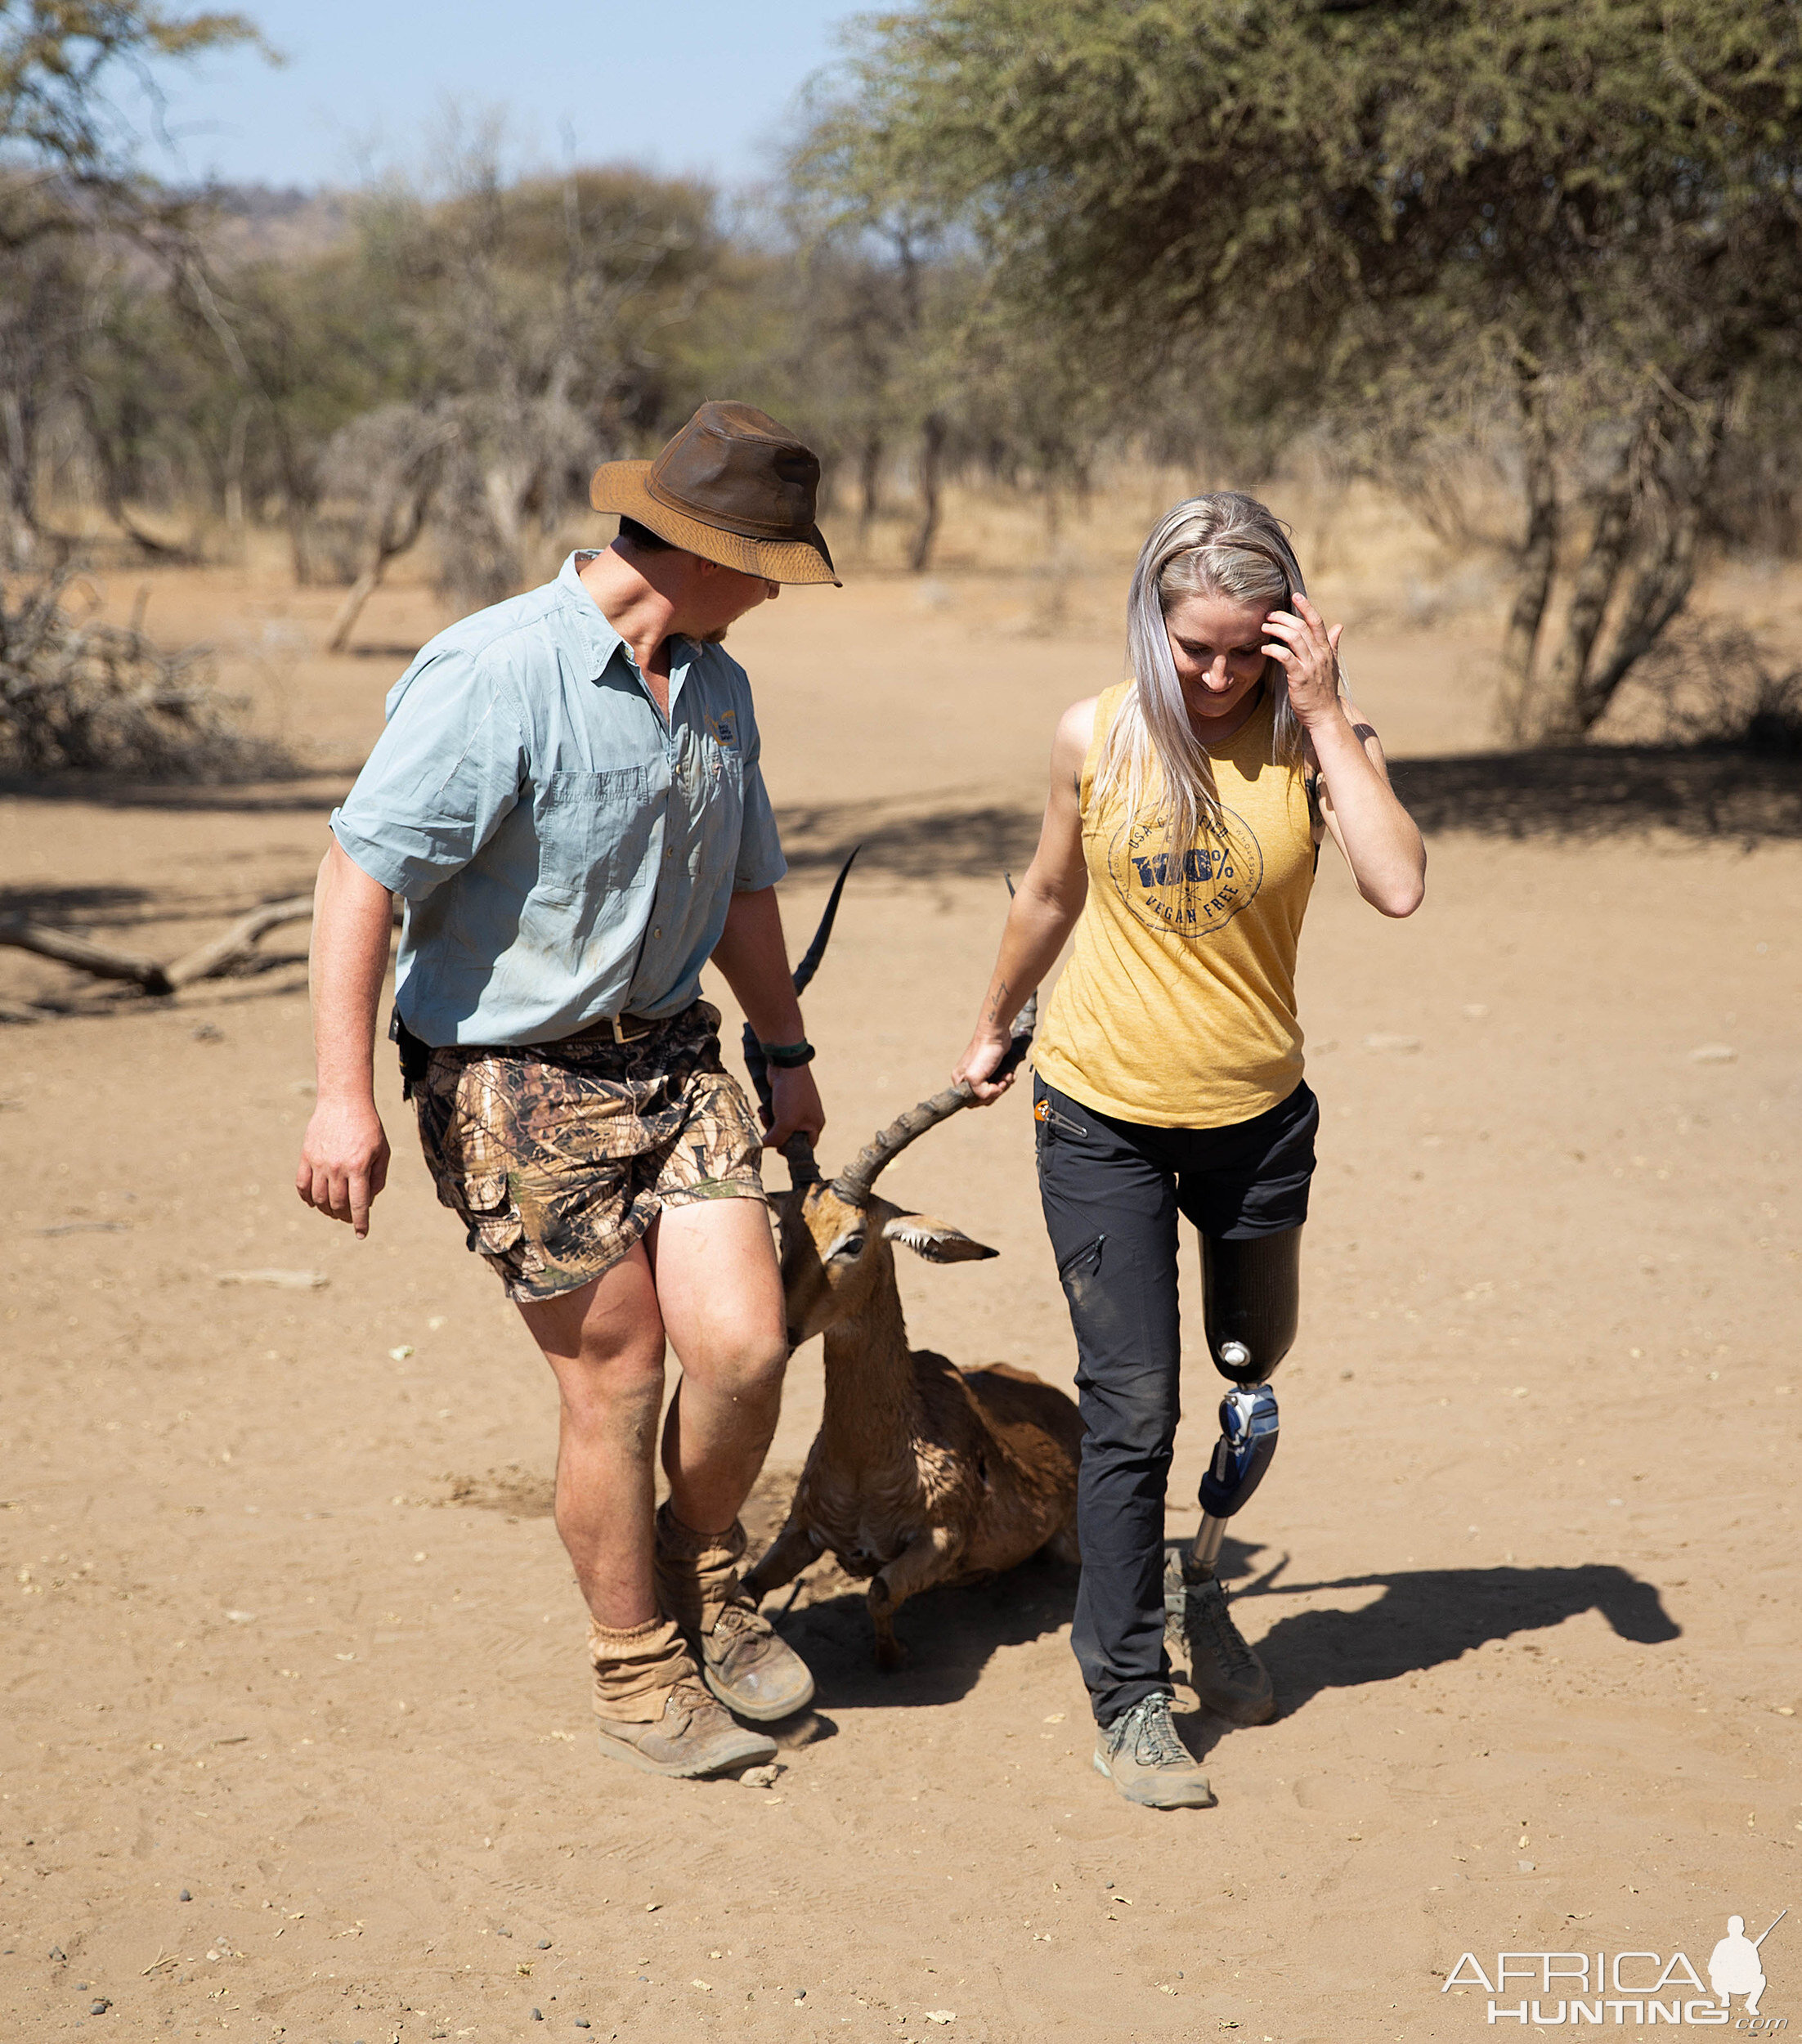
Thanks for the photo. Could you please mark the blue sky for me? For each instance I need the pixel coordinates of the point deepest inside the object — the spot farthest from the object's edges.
(680, 86)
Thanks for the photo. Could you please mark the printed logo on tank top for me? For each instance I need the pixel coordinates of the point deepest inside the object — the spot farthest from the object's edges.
(1190, 894)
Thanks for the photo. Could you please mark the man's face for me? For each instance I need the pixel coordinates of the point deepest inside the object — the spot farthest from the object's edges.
(721, 596)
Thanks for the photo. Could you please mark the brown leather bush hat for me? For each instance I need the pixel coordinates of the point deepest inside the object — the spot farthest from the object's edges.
(732, 486)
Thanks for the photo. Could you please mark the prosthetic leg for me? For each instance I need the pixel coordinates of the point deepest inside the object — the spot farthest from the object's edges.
(1253, 1299)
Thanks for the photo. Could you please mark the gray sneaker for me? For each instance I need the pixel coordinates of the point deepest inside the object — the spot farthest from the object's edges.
(1141, 1754)
(1224, 1671)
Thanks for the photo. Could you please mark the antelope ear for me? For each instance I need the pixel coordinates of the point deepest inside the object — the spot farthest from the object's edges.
(936, 1240)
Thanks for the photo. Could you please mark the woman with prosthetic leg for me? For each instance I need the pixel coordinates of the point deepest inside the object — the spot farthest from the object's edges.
(1180, 836)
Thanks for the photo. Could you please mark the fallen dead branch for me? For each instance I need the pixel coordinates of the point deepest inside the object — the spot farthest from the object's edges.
(210, 961)
(64, 945)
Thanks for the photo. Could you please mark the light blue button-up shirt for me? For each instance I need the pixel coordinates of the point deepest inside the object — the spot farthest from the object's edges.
(564, 854)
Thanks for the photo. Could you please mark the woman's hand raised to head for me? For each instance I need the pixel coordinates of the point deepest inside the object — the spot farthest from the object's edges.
(1309, 650)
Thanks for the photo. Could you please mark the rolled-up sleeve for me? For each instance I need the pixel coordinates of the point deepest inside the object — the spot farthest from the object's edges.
(446, 770)
(760, 860)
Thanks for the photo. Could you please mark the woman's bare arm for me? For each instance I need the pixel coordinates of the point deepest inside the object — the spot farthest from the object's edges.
(1044, 911)
(1378, 837)
(1381, 842)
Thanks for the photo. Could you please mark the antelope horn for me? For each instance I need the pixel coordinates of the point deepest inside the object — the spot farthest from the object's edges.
(853, 1186)
(803, 1168)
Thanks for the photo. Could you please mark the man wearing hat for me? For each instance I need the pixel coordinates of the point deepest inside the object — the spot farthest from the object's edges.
(568, 799)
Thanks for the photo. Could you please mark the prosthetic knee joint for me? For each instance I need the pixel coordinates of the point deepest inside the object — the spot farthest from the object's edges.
(1253, 1299)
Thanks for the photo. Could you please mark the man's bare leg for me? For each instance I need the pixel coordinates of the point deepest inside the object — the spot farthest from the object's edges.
(720, 1294)
(605, 1345)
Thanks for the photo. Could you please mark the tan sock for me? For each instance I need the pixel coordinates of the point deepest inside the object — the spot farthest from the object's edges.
(696, 1573)
(636, 1668)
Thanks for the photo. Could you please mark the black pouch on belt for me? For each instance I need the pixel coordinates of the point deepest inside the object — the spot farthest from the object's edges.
(414, 1055)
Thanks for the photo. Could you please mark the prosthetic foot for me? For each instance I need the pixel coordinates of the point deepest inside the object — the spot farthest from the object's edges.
(1225, 1673)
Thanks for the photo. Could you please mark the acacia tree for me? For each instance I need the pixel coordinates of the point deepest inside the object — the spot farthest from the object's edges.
(530, 336)
(1586, 210)
(67, 156)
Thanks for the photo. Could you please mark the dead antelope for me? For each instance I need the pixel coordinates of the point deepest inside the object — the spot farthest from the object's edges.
(921, 1473)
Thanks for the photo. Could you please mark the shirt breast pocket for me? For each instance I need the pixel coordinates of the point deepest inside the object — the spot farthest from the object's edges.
(594, 830)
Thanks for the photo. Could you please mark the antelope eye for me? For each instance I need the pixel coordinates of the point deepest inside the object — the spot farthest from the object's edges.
(847, 1249)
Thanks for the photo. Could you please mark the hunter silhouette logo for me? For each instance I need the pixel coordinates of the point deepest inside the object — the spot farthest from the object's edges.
(1734, 1966)
(1193, 893)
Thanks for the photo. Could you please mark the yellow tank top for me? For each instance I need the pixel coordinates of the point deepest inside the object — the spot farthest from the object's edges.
(1177, 1008)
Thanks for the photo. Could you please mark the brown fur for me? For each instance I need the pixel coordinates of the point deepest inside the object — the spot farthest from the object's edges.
(921, 1472)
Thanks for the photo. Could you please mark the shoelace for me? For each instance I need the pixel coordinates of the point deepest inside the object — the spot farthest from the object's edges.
(1154, 1740)
(739, 1620)
(1224, 1637)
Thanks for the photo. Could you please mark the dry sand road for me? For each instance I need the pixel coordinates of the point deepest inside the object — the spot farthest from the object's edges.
(289, 1635)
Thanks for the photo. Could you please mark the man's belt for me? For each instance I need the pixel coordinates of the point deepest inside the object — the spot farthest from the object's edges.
(620, 1029)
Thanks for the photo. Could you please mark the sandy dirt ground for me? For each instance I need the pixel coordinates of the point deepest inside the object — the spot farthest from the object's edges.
(295, 1741)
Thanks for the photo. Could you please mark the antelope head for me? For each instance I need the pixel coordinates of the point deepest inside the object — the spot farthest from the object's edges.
(836, 1233)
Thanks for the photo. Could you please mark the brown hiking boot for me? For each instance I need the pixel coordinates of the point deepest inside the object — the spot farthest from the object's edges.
(654, 1712)
(1224, 1671)
(742, 1660)
(1141, 1754)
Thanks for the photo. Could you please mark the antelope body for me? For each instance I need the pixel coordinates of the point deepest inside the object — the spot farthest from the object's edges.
(921, 1473)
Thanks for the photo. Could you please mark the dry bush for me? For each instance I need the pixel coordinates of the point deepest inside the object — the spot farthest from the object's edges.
(79, 696)
(1713, 685)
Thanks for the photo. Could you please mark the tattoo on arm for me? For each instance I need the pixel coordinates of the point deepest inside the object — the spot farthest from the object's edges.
(995, 1000)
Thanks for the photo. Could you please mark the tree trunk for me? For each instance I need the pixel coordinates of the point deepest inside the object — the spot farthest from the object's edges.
(1688, 434)
(1609, 545)
(19, 510)
(390, 535)
(1660, 589)
(233, 472)
(932, 442)
(869, 477)
(1538, 564)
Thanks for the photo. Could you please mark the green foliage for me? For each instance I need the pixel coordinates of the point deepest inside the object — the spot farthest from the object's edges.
(58, 62)
(1138, 163)
(1404, 217)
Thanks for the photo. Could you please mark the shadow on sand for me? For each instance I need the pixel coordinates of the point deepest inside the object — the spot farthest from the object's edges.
(1426, 1617)
(950, 1634)
(1592, 790)
(310, 790)
(1576, 791)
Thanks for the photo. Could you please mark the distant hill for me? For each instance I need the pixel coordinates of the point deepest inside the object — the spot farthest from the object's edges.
(283, 223)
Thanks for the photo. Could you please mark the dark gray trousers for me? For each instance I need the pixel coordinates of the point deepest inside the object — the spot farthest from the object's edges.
(1112, 1192)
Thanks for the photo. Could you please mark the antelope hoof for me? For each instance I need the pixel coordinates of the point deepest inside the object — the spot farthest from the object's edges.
(890, 1654)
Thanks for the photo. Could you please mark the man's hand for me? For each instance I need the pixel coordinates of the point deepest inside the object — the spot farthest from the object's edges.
(344, 1161)
(797, 1106)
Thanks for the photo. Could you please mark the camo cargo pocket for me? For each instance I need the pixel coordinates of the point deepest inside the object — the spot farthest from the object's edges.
(495, 1228)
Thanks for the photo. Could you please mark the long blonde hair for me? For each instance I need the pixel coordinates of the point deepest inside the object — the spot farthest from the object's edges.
(1224, 544)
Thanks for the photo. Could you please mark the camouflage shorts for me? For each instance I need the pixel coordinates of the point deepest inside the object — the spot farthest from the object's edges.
(557, 1157)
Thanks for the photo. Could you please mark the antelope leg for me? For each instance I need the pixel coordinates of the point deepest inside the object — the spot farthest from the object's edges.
(796, 1547)
(923, 1562)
